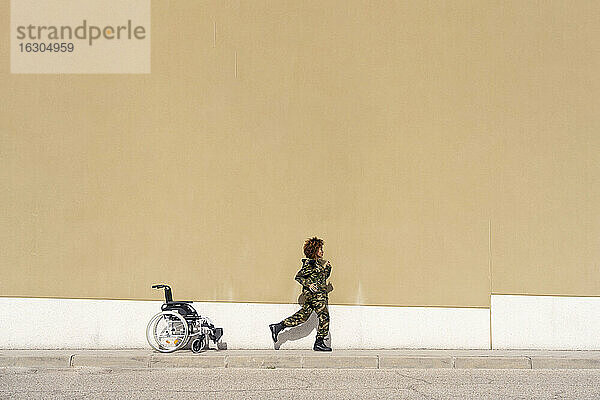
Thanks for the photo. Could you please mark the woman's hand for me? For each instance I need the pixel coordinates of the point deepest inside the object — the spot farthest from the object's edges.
(313, 287)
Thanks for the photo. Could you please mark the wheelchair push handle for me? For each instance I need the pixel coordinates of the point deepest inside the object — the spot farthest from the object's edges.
(168, 293)
(159, 286)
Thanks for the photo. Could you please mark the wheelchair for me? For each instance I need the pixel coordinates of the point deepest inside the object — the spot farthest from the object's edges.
(177, 324)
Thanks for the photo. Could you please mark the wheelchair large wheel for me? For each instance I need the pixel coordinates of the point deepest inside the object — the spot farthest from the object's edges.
(167, 331)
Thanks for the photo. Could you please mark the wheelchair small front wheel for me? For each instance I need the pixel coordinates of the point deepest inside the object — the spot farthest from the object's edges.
(167, 331)
(198, 344)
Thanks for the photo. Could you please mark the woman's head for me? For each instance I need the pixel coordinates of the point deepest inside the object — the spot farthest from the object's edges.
(313, 247)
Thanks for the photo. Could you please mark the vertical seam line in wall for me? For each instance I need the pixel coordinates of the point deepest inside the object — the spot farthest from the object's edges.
(490, 276)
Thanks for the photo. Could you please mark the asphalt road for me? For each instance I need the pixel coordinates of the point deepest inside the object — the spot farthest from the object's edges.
(98, 383)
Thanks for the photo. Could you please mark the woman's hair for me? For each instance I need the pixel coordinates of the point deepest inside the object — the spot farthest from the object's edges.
(312, 246)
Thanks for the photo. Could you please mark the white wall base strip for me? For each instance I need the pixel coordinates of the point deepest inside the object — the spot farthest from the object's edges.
(32, 323)
(545, 322)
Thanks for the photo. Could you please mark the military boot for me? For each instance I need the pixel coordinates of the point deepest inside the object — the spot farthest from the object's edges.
(320, 345)
(275, 329)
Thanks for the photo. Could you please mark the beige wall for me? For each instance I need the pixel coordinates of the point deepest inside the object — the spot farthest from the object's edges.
(398, 131)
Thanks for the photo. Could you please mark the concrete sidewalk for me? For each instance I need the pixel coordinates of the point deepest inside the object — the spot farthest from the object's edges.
(347, 359)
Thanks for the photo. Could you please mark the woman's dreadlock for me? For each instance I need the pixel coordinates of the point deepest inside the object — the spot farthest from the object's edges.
(312, 246)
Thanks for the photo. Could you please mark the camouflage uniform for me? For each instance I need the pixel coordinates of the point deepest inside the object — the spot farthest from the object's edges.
(313, 271)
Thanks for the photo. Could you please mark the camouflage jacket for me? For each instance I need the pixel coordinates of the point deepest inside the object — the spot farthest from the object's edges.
(314, 271)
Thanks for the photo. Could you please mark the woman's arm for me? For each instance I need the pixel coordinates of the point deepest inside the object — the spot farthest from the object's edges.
(303, 277)
(327, 269)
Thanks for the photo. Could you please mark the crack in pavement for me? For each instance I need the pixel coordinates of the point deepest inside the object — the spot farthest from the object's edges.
(413, 377)
(412, 388)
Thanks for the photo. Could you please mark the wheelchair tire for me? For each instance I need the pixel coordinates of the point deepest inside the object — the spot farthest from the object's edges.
(167, 331)
(198, 344)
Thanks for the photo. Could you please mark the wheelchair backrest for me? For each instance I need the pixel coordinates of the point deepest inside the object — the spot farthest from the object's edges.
(184, 309)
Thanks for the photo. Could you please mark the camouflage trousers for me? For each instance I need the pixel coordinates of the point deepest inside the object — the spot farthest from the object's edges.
(315, 302)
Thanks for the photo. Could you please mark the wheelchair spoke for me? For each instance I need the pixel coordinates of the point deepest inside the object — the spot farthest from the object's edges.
(167, 331)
